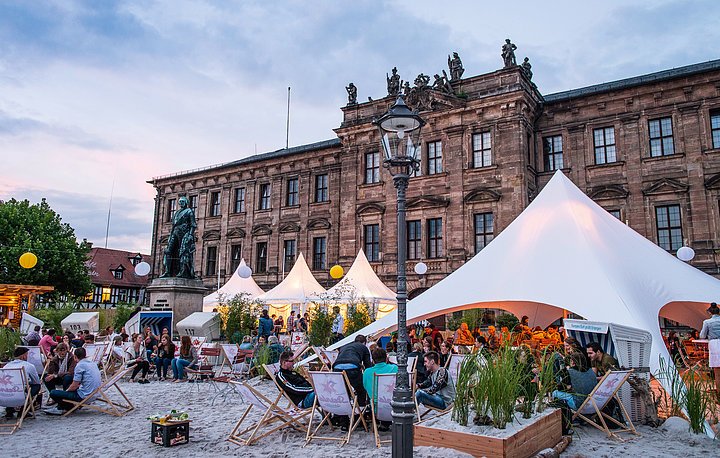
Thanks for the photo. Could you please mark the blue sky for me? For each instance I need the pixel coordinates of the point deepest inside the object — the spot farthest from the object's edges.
(100, 92)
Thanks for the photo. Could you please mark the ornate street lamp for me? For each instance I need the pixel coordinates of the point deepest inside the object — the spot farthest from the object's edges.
(400, 138)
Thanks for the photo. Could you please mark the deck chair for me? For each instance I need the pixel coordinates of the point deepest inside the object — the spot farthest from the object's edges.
(36, 357)
(383, 387)
(230, 355)
(102, 395)
(323, 358)
(272, 414)
(272, 370)
(15, 393)
(454, 363)
(453, 367)
(606, 389)
(334, 395)
(205, 370)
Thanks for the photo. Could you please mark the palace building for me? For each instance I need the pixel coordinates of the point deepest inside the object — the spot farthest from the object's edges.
(647, 149)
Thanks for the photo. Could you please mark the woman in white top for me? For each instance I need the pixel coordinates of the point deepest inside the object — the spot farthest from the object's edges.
(711, 331)
(136, 356)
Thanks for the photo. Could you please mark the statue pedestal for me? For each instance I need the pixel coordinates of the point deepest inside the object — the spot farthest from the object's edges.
(181, 295)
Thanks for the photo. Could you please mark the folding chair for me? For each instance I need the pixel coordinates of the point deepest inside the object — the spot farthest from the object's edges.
(454, 364)
(15, 393)
(205, 370)
(334, 395)
(383, 387)
(272, 412)
(36, 357)
(606, 389)
(230, 353)
(272, 370)
(453, 367)
(102, 394)
(322, 357)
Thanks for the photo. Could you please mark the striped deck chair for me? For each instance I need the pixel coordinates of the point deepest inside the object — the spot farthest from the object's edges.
(15, 393)
(274, 417)
(334, 395)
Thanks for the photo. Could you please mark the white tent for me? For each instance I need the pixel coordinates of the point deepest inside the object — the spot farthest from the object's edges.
(566, 252)
(236, 285)
(361, 282)
(295, 292)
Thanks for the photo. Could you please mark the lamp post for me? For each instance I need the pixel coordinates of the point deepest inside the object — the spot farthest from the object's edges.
(400, 138)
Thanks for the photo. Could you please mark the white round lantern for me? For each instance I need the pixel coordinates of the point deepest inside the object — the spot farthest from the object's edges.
(686, 254)
(244, 272)
(142, 269)
(420, 268)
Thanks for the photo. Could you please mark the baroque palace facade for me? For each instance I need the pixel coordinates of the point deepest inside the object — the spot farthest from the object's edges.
(646, 148)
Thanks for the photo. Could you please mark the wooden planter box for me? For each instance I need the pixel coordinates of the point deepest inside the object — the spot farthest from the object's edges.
(544, 433)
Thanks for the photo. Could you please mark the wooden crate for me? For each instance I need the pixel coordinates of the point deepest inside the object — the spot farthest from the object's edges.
(544, 433)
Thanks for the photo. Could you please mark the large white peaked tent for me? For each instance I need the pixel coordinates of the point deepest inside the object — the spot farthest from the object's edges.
(236, 285)
(566, 252)
(297, 290)
(361, 282)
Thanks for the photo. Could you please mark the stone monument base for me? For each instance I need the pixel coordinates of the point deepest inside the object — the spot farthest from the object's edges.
(181, 295)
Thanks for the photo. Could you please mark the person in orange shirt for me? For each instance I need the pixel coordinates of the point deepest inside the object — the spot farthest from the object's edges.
(493, 339)
(463, 336)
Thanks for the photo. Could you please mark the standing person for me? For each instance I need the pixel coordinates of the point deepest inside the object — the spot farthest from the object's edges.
(351, 359)
(265, 325)
(188, 358)
(21, 354)
(291, 322)
(47, 343)
(279, 324)
(711, 331)
(165, 355)
(60, 369)
(304, 323)
(338, 325)
(86, 380)
(136, 356)
(437, 390)
(33, 337)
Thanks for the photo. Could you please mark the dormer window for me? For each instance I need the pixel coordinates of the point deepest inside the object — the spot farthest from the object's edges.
(137, 259)
(118, 274)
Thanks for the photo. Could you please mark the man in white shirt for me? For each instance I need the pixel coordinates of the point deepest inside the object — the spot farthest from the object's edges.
(21, 355)
(86, 379)
(338, 325)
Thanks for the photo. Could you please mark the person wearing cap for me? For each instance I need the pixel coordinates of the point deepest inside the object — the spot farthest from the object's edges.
(711, 331)
(21, 355)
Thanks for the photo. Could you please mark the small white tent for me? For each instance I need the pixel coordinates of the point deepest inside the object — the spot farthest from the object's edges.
(295, 292)
(566, 252)
(361, 282)
(236, 285)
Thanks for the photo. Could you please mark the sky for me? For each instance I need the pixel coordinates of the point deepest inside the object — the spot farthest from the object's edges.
(98, 97)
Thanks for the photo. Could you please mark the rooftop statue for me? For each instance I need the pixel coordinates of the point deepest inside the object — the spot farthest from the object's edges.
(352, 94)
(527, 68)
(456, 67)
(442, 84)
(179, 254)
(508, 53)
(393, 83)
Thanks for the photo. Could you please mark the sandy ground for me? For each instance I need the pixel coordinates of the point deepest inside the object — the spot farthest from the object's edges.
(92, 434)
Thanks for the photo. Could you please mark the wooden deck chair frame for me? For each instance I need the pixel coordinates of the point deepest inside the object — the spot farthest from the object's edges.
(356, 409)
(272, 373)
(429, 409)
(287, 417)
(324, 360)
(36, 348)
(589, 407)
(28, 405)
(228, 359)
(376, 383)
(101, 394)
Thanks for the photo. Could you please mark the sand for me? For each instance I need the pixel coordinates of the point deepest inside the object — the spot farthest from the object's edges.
(91, 434)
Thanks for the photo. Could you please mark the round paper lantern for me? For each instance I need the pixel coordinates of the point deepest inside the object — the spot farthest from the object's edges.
(142, 269)
(685, 253)
(244, 272)
(28, 260)
(336, 271)
(420, 268)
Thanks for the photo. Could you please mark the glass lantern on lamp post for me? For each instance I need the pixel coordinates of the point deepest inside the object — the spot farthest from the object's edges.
(400, 138)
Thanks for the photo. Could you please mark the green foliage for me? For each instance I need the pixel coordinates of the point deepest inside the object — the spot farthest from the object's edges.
(698, 402)
(8, 341)
(507, 320)
(263, 355)
(320, 328)
(242, 313)
(53, 314)
(498, 387)
(358, 317)
(467, 378)
(122, 315)
(545, 380)
(38, 229)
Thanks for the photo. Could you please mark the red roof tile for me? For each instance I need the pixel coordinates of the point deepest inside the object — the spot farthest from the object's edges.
(102, 263)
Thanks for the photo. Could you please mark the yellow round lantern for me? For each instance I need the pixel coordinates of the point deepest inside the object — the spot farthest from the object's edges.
(28, 260)
(336, 271)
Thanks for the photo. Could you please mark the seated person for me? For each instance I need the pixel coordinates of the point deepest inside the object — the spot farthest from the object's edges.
(117, 355)
(275, 349)
(437, 390)
(60, 368)
(418, 353)
(21, 354)
(164, 356)
(380, 366)
(47, 343)
(86, 380)
(89, 339)
(246, 343)
(188, 358)
(299, 390)
(463, 336)
(582, 381)
(390, 349)
(493, 339)
(33, 337)
(79, 340)
(136, 356)
(446, 351)
(600, 361)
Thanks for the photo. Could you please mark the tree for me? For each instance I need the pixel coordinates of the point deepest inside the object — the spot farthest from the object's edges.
(38, 229)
